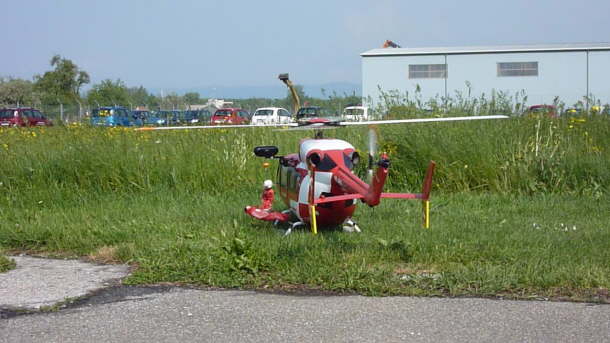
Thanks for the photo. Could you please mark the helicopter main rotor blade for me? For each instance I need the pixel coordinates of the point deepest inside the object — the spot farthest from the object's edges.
(419, 120)
(308, 127)
(326, 125)
(212, 127)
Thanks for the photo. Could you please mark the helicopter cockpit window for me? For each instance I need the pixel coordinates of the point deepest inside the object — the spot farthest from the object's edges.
(351, 160)
(326, 164)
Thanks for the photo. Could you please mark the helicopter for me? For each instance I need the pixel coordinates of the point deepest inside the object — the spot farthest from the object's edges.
(318, 183)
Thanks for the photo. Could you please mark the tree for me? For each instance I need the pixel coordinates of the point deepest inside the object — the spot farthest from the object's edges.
(139, 96)
(172, 101)
(108, 93)
(61, 85)
(17, 92)
(192, 98)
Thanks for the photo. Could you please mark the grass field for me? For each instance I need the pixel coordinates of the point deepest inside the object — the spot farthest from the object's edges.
(520, 208)
(6, 264)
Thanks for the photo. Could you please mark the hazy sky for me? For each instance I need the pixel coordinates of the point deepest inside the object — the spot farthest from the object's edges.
(190, 43)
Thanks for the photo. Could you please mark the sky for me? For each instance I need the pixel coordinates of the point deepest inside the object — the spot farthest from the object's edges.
(182, 44)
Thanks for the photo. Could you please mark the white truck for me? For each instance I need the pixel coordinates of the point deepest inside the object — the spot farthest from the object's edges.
(355, 113)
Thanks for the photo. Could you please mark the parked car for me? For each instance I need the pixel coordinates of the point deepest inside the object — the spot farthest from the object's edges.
(271, 115)
(197, 116)
(111, 116)
(170, 117)
(542, 110)
(139, 117)
(230, 116)
(356, 113)
(23, 116)
(314, 112)
(145, 117)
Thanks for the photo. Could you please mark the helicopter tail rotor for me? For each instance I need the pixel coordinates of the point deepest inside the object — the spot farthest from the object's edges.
(426, 188)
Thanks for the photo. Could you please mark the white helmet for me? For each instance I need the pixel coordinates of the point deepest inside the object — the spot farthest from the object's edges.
(268, 184)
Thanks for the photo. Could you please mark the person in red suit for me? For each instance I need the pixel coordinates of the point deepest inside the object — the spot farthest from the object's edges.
(264, 212)
(268, 195)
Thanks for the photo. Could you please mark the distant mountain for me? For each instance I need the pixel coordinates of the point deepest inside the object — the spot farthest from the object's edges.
(279, 91)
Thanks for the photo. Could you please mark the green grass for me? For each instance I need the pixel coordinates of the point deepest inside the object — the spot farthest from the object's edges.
(520, 208)
(6, 264)
(481, 244)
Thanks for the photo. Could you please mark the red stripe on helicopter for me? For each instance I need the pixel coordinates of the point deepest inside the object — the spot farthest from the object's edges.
(338, 198)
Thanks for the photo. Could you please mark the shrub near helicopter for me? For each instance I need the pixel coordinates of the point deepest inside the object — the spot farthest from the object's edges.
(318, 183)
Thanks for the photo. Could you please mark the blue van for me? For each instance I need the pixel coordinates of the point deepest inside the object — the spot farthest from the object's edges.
(147, 118)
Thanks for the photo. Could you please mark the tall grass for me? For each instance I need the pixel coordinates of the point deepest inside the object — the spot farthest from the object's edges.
(517, 155)
(396, 104)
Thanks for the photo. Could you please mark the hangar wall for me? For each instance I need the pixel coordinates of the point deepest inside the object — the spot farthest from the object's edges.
(568, 75)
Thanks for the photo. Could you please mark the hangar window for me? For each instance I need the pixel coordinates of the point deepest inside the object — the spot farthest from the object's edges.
(517, 68)
(427, 71)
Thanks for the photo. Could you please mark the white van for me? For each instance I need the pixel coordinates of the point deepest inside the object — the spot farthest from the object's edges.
(271, 115)
(356, 113)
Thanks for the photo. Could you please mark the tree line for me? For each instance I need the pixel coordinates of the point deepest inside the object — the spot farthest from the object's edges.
(62, 85)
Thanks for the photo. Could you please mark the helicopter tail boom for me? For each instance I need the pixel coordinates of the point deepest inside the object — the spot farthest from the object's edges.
(424, 196)
(372, 194)
(358, 189)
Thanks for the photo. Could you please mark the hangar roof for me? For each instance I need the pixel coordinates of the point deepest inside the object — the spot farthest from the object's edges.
(487, 49)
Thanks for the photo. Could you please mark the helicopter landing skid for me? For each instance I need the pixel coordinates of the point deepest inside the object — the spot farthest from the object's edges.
(350, 226)
(292, 226)
(284, 213)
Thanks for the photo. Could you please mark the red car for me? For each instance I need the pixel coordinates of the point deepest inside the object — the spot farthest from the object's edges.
(23, 116)
(545, 110)
(230, 116)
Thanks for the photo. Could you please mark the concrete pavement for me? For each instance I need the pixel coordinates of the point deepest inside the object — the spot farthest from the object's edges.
(136, 314)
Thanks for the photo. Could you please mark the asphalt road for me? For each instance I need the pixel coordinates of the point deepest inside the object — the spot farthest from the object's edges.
(135, 314)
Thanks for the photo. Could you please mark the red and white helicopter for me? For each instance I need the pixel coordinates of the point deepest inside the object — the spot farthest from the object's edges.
(318, 184)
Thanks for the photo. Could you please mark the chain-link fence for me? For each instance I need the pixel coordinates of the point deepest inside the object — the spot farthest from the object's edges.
(59, 113)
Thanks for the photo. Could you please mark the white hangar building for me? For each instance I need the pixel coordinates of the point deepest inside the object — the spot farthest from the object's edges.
(543, 72)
